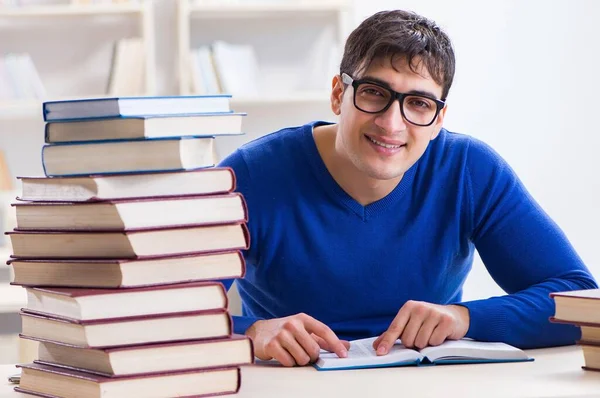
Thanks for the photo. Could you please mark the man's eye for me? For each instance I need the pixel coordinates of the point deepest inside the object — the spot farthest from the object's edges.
(419, 103)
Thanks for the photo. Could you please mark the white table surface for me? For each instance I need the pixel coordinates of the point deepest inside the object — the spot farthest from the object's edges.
(556, 372)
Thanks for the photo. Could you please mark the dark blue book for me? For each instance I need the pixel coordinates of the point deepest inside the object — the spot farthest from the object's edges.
(135, 106)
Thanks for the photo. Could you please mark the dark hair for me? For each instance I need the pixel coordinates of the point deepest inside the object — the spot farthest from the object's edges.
(401, 34)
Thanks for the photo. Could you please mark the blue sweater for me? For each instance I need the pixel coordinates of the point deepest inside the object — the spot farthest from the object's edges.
(314, 249)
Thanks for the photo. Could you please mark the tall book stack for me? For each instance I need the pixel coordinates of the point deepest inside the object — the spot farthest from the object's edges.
(582, 308)
(121, 247)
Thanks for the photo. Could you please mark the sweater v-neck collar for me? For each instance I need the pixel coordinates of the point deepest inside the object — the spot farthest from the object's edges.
(335, 190)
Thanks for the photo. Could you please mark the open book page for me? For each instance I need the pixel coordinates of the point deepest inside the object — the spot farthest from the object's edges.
(472, 351)
(362, 355)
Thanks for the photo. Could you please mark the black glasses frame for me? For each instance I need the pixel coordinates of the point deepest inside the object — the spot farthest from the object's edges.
(347, 79)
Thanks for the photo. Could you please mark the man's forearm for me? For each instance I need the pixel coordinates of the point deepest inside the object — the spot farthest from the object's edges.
(521, 319)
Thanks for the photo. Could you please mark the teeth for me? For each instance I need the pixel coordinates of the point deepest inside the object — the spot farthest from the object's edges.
(383, 144)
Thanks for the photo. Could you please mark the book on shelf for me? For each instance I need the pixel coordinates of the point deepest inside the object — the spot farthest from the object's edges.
(234, 350)
(129, 244)
(579, 306)
(92, 304)
(204, 77)
(52, 382)
(141, 185)
(114, 157)
(128, 331)
(127, 70)
(134, 106)
(19, 78)
(237, 68)
(144, 127)
(128, 273)
(591, 355)
(6, 180)
(362, 355)
(128, 214)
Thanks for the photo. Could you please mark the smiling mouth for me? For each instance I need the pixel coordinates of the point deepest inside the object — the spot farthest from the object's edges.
(384, 145)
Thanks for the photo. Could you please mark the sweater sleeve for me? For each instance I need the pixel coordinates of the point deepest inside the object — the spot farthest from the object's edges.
(243, 184)
(525, 252)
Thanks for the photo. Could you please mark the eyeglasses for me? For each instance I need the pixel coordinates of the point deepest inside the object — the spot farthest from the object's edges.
(371, 97)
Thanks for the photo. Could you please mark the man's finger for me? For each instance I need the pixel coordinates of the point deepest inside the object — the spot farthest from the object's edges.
(291, 345)
(308, 344)
(277, 352)
(323, 331)
(411, 329)
(421, 340)
(389, 337)
(324, 345)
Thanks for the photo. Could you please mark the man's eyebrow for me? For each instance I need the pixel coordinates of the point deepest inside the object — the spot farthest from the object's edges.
(387, 85)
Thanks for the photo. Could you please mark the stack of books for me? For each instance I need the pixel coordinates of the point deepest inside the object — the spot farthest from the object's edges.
(582, 308)
(121, 247)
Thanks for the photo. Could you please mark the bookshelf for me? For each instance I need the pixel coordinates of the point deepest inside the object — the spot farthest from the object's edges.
(41, 29)
(296, 46)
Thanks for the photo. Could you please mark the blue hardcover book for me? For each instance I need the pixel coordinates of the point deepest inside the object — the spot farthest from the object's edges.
(126, 157)
(144, 127)
(135, 106)
(362, 355)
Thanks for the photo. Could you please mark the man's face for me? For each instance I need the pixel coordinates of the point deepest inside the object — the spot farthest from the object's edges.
(385, 145)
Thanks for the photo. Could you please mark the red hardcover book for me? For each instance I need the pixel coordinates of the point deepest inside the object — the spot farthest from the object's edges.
(577, 306)
(53, 382)
(132, 214)
(590, 332)
(158, 242)
(235, 350)
(128, 331)
(93, 304)
(136, 185)
(127, 273)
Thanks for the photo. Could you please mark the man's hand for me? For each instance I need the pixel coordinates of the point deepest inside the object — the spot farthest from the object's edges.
(419, 324)
(294, 340)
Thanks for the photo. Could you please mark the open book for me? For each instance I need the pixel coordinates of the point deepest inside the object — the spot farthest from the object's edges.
(362, 355)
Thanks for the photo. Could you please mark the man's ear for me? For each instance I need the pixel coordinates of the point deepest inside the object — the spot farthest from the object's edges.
(439, 123)
(337, 92)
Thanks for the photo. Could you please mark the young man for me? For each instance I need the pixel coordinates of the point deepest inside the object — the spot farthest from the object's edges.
(367, 227)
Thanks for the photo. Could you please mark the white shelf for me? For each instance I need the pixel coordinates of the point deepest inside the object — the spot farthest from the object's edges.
(20, 109)
(70, 10)
(308, 97)
(211, 10)
(12, 298)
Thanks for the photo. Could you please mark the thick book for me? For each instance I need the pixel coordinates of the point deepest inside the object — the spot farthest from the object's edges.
(129, 244)
(128, 214)
(122, 273)
(134, 106)
(235, 350)
(128, 331)
(91, 304)
(205, 181)
(144, 127)
(362, 355)
(123, 157)
(590, 332)
(52, 382)
(591, 355)
(577, 306)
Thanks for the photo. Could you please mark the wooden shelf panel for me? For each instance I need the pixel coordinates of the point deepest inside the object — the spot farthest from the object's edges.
(263, 9)
(308, 97)
(70, 10)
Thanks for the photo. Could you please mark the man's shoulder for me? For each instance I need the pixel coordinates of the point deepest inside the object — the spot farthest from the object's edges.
(470, 148)
(274, 147)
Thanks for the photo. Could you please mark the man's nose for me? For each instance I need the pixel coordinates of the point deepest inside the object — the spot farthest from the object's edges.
(391, 120)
